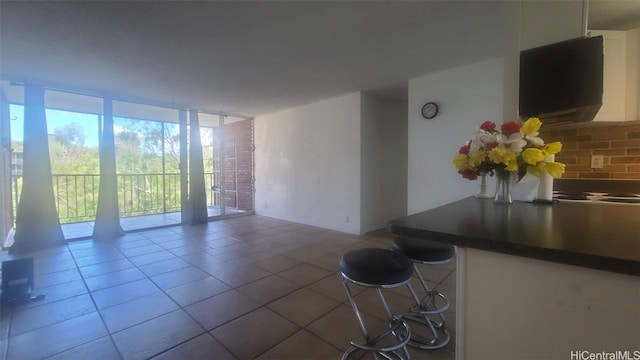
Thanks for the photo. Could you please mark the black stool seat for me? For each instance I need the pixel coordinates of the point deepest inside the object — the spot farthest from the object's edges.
(376, 266)
(423, 250)
(378, 269)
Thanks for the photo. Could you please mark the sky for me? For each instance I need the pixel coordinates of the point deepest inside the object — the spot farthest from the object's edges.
(88, 122)
(56, 119)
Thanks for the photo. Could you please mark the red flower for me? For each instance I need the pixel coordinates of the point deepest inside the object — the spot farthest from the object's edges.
(468, 174)
(491, 145)
(489, 126)
(465, 149)
(510, 127)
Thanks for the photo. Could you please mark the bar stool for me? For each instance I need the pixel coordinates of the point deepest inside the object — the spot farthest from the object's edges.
(378, 269)
(433, 303)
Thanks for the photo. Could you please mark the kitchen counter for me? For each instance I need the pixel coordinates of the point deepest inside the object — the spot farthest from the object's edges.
(595, 235)
(539, 281)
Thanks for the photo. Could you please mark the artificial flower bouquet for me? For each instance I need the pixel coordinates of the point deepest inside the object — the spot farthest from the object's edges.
(516, 146)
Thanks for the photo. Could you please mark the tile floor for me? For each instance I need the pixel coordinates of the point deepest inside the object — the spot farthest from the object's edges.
(243, 288)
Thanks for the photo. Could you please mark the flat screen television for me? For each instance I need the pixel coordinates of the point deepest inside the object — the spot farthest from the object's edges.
(562, 82)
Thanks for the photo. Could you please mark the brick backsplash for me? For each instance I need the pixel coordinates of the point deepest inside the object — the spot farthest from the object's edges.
(618, 142)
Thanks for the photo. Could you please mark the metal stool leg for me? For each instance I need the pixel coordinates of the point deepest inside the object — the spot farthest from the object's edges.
(423, 311)
(429, 304)
(397, 329)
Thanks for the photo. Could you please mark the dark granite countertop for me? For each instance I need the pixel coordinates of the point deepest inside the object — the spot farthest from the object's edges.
(594, 235)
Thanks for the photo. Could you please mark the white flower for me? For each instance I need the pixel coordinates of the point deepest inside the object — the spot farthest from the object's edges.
(480, 141)
(513, 142)
(534, 139)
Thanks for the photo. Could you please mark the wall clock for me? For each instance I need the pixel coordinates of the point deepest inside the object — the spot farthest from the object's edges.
(429, 110)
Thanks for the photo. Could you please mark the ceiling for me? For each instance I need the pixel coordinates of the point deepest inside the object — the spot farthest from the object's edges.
(614, 14)
(244, 57)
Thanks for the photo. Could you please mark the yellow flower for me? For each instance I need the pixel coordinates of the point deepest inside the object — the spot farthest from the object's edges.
(460, 161)
(532, 156)
(537, 169)
(476, 159)
(555, 169)
(497, 154)
(553, 148)
(511, 161)
(532, 125)
(500, 155)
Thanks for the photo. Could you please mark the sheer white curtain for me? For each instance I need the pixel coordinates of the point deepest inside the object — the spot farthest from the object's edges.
(6, 211)
(37, 224)
(197, 192)
(185, 210)
(107, 225)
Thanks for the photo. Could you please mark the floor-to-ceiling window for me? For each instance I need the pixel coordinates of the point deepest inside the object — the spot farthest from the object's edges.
(148, 167)
(73, 150)
(147, 161)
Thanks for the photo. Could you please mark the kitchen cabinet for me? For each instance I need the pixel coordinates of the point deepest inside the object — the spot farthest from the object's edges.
(615, 75)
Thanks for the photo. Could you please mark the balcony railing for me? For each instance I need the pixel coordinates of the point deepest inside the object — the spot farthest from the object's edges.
(76, 196)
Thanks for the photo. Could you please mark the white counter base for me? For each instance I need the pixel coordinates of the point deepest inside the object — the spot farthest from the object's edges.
(511, 307)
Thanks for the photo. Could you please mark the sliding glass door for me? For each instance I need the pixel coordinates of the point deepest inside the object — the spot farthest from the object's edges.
(228, 159)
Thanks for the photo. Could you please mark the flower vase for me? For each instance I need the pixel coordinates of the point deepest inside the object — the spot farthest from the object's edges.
(483, 194)
(545, 186)
(503, 187)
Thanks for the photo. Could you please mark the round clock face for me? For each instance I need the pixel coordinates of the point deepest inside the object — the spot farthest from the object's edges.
(429, 110)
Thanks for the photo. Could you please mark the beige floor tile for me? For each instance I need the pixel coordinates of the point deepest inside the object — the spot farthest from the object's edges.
(217, 310)
(304, 274)
(450, 280)
(240, 275)
(340, 327)
(332, 287)
(268, 289)
(305, 254)
(202, 347)
(254, 333)
(277, 263)
(302, 345)
(303, 306)
(329, 262)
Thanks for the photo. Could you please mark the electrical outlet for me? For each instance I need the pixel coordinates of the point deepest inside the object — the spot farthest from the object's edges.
(597, 161)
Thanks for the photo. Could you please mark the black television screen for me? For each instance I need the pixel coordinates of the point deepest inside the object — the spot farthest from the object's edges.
(562, 81)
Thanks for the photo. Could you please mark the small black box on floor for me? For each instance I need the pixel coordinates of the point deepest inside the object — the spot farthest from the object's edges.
(17, 280)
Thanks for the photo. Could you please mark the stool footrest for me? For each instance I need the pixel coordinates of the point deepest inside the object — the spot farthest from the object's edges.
(429, 306)
(398, 329)
(394, 326)
(440, 335)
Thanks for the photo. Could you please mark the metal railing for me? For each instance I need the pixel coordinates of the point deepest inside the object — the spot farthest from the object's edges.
(76, 196)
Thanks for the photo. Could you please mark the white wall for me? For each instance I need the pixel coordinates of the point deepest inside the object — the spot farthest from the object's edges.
(308, 164)
(371, 164)
(383, 162)
(466, 96)
(394, 160)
